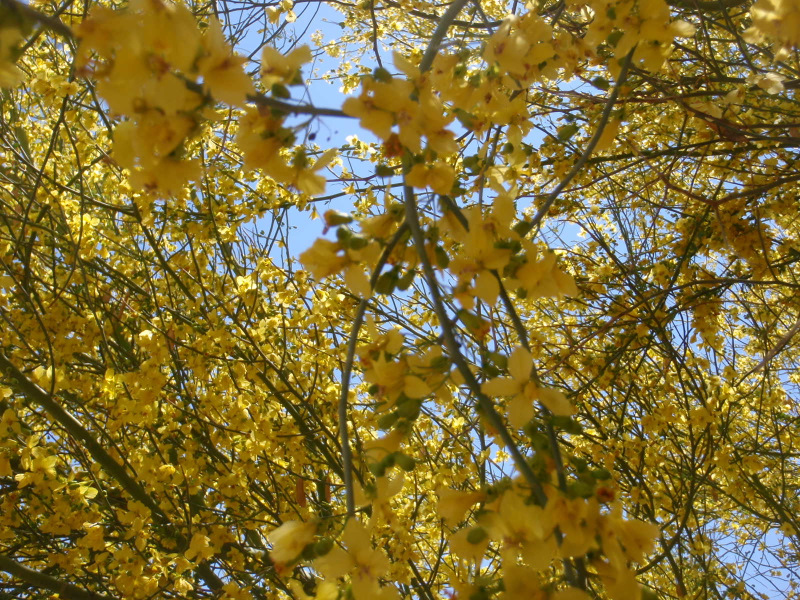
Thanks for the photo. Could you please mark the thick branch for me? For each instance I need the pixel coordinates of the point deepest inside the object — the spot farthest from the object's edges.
(38, 396)
(41, 580)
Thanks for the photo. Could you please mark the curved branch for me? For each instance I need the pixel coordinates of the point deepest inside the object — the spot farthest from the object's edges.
(38, 396)
(46, 21)
(347, 455)
(42, 580)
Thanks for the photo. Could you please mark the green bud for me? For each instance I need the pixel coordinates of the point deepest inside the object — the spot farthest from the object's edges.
(357, 242)
(323, 546)
(539, 440)
(601, 474)
(409, 409)
(648, 594)
(404, 461)
(309, 552)
(442, 260)
(566, 424)
(578, 463)
(614, 37)
(499, 359)
(386, 282)
(406, 280)
(386, 421)
(381, 74)
(580, 489)
(476, 535)
(472, 163)
(440, 363)
(491, 371)
(565, 132)
(378, 469)
(343, 234)
(382, 170)
(481, 594)
(334, 217)
(280, 91)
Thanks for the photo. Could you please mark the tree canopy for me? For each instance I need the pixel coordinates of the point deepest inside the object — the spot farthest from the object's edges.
(543, 347)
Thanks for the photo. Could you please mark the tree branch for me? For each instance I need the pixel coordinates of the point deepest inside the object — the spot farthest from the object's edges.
(41, 580)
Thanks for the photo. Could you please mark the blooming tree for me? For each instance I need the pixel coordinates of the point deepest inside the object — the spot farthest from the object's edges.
(544, 346)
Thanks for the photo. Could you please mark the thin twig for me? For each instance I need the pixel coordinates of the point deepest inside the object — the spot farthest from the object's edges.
(347, 368)
(587, 153)
(56, 26)
(451, 344)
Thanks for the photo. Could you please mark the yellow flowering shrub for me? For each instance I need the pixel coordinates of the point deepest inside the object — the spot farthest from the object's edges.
(541, 344)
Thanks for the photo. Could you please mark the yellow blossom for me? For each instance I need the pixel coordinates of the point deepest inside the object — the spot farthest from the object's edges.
(199, 548)
(439, 177)
(222, 72)
(453, 504)
(365, 564)
(523, 392)
(10, 74)
(289, 540)
(283, 68)
(324, 258)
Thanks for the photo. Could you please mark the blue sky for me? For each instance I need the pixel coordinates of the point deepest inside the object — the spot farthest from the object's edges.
(329, 132)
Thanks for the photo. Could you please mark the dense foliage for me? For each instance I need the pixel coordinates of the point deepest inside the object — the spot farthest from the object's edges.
(545, 346)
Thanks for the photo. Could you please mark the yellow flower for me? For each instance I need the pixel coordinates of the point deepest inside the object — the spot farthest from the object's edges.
(578, 519)
(776, 19)
(306, 179)
(637, 537)
(289, 540)
(122, 86)
(371, 117)
(518, 386)
(620, 583)
(383, 103)
(221, 69)
(365, 564)
(167, 177)
(167, 30)
(283, 68)
(525, 531)
(327, 590)
(169, 93)
(151, 137)
(261, 137)
(523, 392)
(469, 544)
(393, 378)
(323, 258)
(439, 177)
(521, 582)
(453, 504)
(10, 75)
(199, 548)
(102, 31)
(478, 254)
(542, 278)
